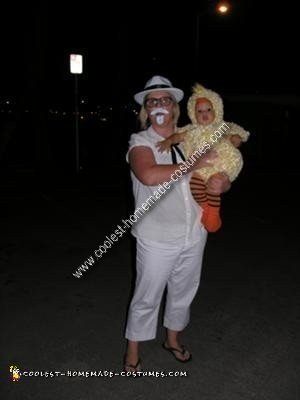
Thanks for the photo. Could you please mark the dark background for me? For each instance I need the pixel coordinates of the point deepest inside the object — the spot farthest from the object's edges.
(252, 48)
(248, 56)
(245, 319)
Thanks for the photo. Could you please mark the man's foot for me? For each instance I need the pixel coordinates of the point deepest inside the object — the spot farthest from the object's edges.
(180, 353)
(131, 366)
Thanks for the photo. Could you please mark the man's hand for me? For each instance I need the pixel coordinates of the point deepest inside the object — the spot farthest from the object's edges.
(218, 183)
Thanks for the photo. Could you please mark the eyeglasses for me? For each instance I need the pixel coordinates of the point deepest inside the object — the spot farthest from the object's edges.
(162, 102)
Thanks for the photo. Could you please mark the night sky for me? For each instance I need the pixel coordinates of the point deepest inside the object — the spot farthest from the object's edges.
(248, 51)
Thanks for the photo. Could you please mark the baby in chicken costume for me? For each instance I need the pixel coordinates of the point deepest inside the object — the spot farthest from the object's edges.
(208, 129)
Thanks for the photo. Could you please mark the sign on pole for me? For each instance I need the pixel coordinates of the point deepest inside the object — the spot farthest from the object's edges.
(76, 63)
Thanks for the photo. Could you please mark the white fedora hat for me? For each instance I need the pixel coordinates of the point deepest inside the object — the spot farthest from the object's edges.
(158, 83)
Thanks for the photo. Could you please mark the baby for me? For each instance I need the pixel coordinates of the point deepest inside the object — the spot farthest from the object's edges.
(208, 129)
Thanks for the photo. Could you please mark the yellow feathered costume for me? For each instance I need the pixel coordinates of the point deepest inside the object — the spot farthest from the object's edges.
(229, 159)
(218, 135)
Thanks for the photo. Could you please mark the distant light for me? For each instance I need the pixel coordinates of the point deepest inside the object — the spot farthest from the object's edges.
(223, 7)
(76, 63)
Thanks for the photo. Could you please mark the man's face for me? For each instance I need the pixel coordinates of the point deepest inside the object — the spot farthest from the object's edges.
(205, 114)
(159, 106)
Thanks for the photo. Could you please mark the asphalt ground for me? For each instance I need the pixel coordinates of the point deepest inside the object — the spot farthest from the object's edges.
(244, 329)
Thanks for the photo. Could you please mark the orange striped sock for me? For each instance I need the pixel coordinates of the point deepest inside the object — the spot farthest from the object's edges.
(198, 189)
(213, 220)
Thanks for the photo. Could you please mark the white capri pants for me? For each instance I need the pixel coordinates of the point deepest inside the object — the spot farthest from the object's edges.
(178, 268)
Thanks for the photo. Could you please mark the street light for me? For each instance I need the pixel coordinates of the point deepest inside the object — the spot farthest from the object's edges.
(76, 69)
(223, 7)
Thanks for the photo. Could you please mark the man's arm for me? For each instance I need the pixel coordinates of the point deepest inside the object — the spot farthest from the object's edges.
(150, 173)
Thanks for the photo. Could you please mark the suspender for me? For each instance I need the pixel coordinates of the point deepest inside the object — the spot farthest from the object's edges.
(173, 153)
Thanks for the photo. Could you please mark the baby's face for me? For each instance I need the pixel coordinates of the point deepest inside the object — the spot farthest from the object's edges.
(205, 114)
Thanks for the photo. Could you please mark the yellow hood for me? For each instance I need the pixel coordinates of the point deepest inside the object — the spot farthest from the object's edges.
(213, 97)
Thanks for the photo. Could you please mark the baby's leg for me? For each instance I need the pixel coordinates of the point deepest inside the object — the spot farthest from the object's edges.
(213, 220)
(198, 189)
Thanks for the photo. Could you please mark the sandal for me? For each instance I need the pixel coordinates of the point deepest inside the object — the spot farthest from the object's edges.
(173, 351)
(132, 367)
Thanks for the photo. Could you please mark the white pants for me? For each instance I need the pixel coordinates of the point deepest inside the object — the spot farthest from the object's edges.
(178, 268)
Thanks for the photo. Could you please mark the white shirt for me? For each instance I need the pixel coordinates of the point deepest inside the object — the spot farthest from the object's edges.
(172, 219)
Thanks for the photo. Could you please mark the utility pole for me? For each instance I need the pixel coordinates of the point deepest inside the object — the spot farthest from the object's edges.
(76, 69)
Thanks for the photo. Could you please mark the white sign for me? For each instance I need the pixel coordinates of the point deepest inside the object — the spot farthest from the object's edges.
(76, 63)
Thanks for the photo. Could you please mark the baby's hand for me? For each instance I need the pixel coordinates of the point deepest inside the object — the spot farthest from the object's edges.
(235, 140)
(164, 145)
